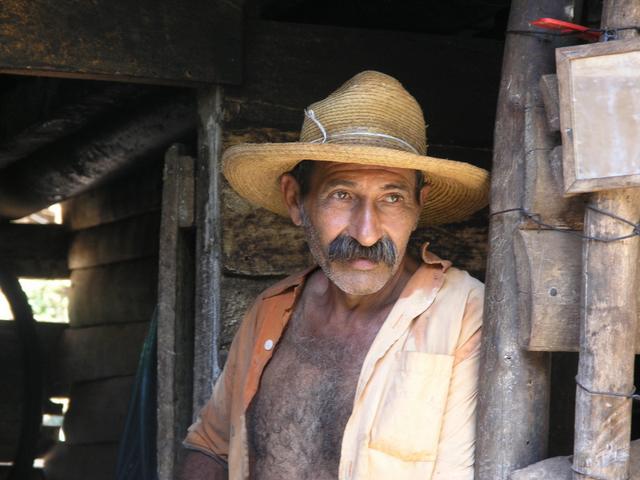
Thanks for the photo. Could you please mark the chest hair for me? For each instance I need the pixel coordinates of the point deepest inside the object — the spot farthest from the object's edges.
(297, 419)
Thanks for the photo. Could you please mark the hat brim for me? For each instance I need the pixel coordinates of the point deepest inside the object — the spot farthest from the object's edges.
(458, 189)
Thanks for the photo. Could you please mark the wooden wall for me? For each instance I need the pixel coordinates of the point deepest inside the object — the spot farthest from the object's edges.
(113, 259)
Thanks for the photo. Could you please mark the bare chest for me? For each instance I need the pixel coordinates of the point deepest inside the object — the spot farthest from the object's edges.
(298, 416)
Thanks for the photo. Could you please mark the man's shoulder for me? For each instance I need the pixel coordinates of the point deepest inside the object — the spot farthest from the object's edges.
(459, 278)
(286, 284)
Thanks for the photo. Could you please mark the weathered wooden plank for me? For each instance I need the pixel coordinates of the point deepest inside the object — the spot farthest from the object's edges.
(79, 462)
(551, 100)
(132, 194)
(543, 196)
(206, 366)
(549, 270)
(34, 250)
(610, 322)
(598, 117)
(288, 66)
(100, 352)
(258, 242)
(608, 337)
(176, 295)
(548, 278)
(513, 394)
(43, 110)
(176, 43)
(97, 411)
(129, 239)
(69, 168)
(123, 292)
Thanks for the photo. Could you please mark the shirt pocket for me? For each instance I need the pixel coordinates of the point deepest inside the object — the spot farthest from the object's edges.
(409, 417)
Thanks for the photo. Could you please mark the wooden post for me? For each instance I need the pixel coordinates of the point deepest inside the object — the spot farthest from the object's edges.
(175, 310)
(607, 331)
(514, 383)
(206, 367)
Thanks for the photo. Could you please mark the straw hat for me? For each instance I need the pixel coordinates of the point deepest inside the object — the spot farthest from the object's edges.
(372, 120)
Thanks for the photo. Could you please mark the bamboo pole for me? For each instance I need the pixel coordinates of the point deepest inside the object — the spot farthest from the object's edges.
(607, 331)
(514, 385)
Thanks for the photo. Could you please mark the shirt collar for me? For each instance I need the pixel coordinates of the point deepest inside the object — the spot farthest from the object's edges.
(432, 259)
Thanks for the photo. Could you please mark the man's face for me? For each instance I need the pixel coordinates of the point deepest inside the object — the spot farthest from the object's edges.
(357, 220)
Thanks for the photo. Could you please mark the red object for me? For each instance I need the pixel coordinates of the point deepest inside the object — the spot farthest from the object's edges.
(567, 27)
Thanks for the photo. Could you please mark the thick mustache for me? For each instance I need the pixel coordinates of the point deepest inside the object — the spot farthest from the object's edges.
(345, 248)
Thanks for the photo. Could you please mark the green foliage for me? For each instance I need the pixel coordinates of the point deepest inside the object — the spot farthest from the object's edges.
(49, 299)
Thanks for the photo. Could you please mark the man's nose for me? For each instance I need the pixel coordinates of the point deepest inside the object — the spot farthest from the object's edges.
(365, 224)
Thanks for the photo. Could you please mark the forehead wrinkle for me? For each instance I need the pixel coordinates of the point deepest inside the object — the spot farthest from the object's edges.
(396, 186)
(338, 182)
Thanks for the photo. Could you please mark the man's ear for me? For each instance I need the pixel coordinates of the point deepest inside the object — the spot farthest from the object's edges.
(424, 193)
(291, 196)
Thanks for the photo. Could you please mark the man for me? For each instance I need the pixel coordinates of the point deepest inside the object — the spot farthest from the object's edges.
(365, 366)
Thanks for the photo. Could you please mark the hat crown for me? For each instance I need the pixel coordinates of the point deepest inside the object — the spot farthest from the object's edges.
(369, 109)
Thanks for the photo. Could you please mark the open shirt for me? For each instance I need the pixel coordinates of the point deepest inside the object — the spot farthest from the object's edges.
(413, 414)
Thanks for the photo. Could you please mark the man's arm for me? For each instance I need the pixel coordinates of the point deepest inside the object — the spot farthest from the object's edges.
(456, 449)
(198, 466)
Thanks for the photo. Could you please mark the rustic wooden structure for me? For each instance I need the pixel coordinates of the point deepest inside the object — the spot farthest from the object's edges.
(514, 387)
(609, 324)
(140, 215)
(176, 300)
(99, 147)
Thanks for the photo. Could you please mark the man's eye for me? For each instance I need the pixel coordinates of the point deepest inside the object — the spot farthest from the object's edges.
(341, 195)
(393, 198)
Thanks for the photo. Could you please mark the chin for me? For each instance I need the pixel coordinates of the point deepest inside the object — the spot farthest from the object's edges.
(360, 283)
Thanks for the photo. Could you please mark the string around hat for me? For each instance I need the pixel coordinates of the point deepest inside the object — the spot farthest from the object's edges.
(311, 115)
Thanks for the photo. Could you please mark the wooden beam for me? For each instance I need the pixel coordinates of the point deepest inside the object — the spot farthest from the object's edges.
(39, 111)
(514, 384)
(129, 239)
(162, 42)
(129, 195)
(175, 311)
(206, 362)
(549, 266)
(123, 292)
(38, 251)
(543, 192)
(66, 169)
(99, 352)
(609, 325)
(551, 99)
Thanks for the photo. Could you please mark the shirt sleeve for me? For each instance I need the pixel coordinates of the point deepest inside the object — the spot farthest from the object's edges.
(210, 434)
(456, 449)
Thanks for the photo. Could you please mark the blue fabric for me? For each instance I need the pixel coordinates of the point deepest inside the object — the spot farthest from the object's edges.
(137, 450)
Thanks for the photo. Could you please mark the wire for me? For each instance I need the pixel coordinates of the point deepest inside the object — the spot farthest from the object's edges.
(535, 218)
(607, 33)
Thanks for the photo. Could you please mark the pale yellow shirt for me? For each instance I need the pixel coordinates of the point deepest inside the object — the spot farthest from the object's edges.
(414, 410)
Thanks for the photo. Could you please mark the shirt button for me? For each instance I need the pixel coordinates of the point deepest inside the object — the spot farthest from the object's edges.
(268, 345)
